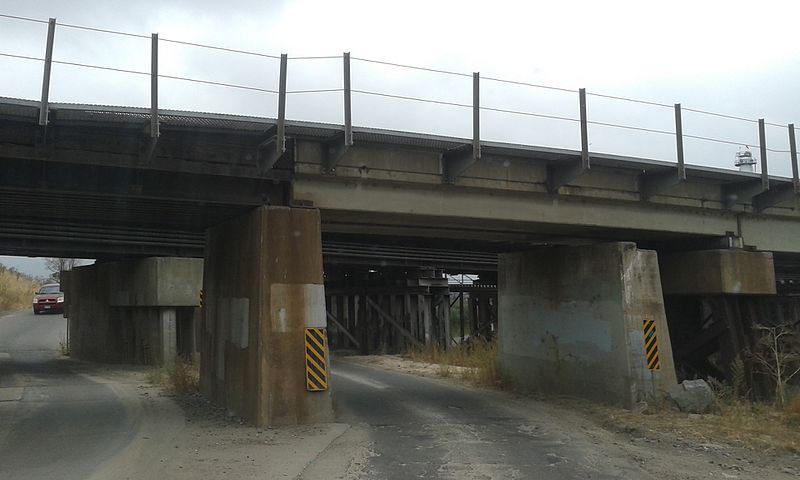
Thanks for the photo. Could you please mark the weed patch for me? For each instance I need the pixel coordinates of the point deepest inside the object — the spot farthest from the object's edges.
(476, 362)
(179, 377)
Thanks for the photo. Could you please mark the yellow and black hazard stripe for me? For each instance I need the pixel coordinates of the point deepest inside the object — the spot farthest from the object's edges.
(316, 365)
(651, 345)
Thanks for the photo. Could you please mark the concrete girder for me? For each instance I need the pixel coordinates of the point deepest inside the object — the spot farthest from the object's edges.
(472, 205)
(651, 184)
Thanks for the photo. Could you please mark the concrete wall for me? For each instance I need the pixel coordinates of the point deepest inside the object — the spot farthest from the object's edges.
(571, 318)
(263, 285)
(731, 271)
(129, 312)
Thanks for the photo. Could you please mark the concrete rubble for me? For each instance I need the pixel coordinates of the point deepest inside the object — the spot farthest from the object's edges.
(692, 396)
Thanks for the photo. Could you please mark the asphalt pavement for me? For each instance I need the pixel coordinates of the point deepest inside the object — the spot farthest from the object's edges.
(427, 428)
(54, 422)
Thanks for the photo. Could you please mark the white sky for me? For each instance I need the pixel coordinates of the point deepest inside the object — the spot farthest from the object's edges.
(740, 58)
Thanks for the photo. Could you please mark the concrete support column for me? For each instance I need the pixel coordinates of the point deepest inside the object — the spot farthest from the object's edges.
(572, 321)
(168, 335)
(127, 312)
(263, 286)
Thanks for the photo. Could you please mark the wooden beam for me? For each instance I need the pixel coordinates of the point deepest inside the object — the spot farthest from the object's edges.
(341, 328)
(392, 321)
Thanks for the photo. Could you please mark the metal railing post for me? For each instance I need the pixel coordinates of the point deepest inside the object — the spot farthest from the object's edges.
(476, 115)
(793, 158)
(679, 142)
(280, 144)
(154, 86)
(762, 143)
(584, 129)
(348, 113)
(44, 106)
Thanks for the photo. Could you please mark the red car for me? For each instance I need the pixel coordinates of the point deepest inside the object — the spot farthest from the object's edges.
(49, 298)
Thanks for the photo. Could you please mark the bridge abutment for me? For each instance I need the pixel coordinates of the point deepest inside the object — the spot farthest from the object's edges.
(583, 321)
(263, 286)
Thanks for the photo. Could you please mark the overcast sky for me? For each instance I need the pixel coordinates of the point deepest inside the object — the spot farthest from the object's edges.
(740, 58)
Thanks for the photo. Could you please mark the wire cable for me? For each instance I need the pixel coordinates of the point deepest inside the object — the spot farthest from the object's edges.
(100, 67)
(536, 85)
(27, 19)
(318, 57)
(103, 30)
(223, 49)
(220, 84)
(630, 127)
(318, 90)
(412, 67)
(718, 140)
(529, 114)
(721, 115)
(414, 99)
(24, 57)
(632, 100)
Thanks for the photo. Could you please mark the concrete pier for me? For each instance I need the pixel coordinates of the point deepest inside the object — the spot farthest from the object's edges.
(263, 286)
(574, 320)
(132, 311)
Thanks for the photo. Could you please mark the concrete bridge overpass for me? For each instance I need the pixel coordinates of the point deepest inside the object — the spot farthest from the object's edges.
(93, 182)
(94, 172)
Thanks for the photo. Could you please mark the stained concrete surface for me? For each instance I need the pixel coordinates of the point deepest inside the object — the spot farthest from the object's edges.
(571, 322)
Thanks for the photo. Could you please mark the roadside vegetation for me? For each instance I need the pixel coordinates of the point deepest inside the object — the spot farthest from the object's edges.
(753, 425)
(16, 289)
(179, 377)
(770, 424)
(475, 361)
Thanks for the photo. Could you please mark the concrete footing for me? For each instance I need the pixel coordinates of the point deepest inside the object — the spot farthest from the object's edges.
(263, 286)
(133, 311)
(574, 320)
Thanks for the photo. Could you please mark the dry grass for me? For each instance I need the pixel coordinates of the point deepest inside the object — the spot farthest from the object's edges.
(179, 377)
(478, 362)
(752, 425)
(16, 290)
